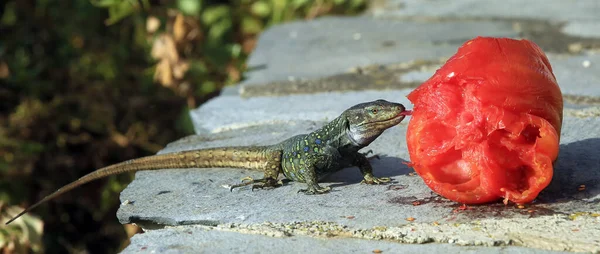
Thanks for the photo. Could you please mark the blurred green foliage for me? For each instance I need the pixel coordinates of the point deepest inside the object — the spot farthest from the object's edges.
(23, 235)
(85, 84)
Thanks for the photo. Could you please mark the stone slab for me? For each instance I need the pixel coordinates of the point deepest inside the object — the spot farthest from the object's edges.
(327, 46)
(191, 196)
(579, 85)
(587, 29)
(218, 114)
(402, 42)
(563, 218)
(197, 239)
(555, 10)
(575, 75)
(196, 196)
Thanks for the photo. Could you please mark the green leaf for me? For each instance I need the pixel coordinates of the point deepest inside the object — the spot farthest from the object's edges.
(217, 55)
(208, 86)
(251, 25)
(119, 11)
(299, 3)
(261, 9)
(10, 14)
(279, 7)
(218, 31)
(236, 50)
(198, 67)
(190, 7)
(184, 123)
(213, 14)
(104, 3)
(355, 4)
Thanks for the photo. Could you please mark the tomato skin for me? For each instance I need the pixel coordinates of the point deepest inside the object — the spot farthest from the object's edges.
(487, 124)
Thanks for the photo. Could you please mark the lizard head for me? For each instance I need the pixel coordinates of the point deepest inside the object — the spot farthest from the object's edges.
(366, 121)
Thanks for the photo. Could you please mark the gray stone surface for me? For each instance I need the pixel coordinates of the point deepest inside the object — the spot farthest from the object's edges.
(326, 46)
(576, 75)
(402, 31)
(192, 196)
(554, 10)
(399, 42)
(217, 115)
(207, 240)
(583, 28)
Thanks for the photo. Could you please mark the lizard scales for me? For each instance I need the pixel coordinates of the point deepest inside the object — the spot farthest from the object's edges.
(302, 158)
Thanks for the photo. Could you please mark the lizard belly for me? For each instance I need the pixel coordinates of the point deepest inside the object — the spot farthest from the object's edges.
(322, 160)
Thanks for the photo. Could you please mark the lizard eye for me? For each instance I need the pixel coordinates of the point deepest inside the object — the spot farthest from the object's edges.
(374, 111)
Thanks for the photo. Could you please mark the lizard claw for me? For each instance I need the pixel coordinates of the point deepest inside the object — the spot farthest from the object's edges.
(267, 184)
(374, 156)
(315, 190)
(367, 152)
(247, 179)
(370, 179)
(263, 183)
(244, 182)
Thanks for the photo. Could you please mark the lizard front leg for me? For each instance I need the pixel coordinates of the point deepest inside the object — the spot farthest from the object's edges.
(362, 162)
(374, 156)
(311, 180)
(308, 172)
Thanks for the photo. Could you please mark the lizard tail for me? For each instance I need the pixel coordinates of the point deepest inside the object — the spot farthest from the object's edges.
(235, 157)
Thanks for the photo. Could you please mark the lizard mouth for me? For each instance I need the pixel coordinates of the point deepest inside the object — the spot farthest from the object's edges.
(394, 120)
(382, 125)
(406, 113)
(362, 135)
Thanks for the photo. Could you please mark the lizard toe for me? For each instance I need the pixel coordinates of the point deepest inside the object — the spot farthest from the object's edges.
(374, 156)
(315, 190)
(380, 180)
(375, 180)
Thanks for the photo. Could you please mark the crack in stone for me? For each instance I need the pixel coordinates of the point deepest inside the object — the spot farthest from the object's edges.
(547, 34)
(374, 77)
(558, 232)
(582, 99)
(583, 113)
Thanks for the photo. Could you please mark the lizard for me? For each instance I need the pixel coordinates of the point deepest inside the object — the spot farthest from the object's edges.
(303, 158)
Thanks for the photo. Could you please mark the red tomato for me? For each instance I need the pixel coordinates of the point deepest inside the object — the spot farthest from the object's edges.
(487, 124)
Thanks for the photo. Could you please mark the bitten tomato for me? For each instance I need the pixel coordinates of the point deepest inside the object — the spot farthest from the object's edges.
(487, 124)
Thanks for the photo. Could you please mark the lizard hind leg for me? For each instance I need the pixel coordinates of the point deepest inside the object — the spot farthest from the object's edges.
(315, 189)
(263, 183)
(269, 180)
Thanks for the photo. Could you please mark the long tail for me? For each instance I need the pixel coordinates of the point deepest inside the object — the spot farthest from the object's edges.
(235, 157)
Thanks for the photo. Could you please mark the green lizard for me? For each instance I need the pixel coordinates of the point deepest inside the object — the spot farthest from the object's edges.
(303, 158)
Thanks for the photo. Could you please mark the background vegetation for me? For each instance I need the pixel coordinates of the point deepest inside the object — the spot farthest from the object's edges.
(84, 84)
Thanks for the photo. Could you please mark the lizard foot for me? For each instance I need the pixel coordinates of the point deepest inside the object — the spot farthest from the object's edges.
(263, 183)
(370, 179)
(315, 190)
(245, 181)
(268, 183)
(374, 156)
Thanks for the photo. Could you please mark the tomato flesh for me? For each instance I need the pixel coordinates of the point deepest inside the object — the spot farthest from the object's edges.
(486, 125)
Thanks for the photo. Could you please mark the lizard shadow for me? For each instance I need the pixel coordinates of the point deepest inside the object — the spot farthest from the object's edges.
(578, 164)
(385, 166)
